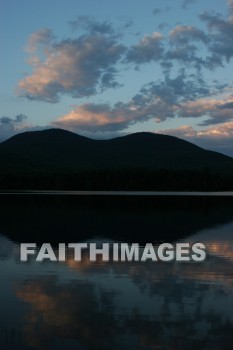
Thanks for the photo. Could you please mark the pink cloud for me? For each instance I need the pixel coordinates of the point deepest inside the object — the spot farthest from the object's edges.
(76, 67)
(218, 137)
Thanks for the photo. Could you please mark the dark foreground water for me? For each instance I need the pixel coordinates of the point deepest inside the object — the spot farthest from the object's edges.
(116, 305)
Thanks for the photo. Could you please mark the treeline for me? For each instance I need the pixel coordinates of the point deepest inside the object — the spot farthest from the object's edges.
(138, 179)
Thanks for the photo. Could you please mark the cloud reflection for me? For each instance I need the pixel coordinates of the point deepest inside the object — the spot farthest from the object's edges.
(74, 311)
(180, 305)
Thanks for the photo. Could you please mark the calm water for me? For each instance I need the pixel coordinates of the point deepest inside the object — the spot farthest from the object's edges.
(121, 305)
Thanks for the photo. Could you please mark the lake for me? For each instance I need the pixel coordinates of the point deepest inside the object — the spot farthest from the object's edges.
(116, 305)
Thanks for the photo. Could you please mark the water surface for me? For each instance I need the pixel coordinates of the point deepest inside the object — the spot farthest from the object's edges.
(116, 305)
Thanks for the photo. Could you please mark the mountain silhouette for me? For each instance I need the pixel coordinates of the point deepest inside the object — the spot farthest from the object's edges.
(64, 155)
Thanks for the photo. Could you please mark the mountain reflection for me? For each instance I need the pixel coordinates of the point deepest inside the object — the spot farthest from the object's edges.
(132, 305)
(138, 219)
(117, 305)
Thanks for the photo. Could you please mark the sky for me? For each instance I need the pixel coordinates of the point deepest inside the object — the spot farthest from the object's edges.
(108, 68)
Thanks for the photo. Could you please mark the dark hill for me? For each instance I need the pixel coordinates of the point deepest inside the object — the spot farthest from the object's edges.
(69, 158)
(45, 137)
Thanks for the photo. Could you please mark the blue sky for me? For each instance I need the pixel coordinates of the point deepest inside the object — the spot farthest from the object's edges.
(108, 68)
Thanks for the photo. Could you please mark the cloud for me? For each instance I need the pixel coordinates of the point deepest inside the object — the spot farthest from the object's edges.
(217, 110)
(148, 49)
(87, 64)
(184, 46)
(224, 130)
(165, 99)
(218, 137)
(101, 118)
(220, 34)
(45, 296)
(91, 25)
(156, 101)
(230, 6)
(227, 105)
(178, 89)
(178, 97)
(11, 126)
(41, 38)
(98, 117)
(156, 11)
(163, 25)
(184, 131)
(203, 49)
(186, 3)
(182, 34)
(199, 107)
(77, 67)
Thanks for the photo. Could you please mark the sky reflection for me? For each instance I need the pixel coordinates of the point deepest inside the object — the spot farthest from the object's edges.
(128, 305)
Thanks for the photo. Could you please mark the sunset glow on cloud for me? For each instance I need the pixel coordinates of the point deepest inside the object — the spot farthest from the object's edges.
(75, 67)
(124, 69)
